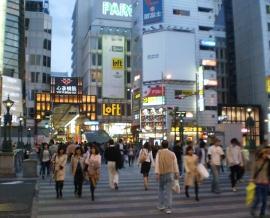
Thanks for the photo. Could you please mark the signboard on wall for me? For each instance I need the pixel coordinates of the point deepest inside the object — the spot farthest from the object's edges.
(116, 9)
(66, 86)
(153, 94)
(113, 109)
(113, 62)
(12, 87)
(152, 11)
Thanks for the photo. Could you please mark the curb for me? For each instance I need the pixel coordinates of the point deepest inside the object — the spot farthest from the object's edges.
(34, 211)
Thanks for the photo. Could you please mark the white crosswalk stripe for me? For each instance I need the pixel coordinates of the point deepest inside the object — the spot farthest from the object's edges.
(131, 200)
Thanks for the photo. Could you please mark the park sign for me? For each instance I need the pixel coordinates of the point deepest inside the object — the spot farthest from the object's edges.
(116, 9)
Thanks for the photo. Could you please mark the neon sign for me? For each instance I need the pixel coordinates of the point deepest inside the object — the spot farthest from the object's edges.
(116, 9)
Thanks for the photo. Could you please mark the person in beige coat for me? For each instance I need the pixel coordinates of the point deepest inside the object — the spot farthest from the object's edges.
(77, 166)
(192, 176)
(59, 168)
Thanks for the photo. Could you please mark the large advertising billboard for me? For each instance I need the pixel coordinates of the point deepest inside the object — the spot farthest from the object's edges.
(152, 11)
(113, 63)
(171, 54)
(12, 87)
(66, 86)
(153, 95)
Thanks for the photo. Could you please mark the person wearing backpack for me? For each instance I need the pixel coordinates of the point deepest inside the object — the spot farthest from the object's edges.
(146, 159)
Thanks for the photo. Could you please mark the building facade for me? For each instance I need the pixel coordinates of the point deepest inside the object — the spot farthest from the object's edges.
(252, 49)
(38, 42)
(12, 55)
(178, 66)
(101, 50)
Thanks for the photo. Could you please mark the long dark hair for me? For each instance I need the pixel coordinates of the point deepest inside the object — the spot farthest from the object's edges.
(147, 146)
(61, 148)
(189, 148)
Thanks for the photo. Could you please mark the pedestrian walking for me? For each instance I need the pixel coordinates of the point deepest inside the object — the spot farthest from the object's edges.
(235, 161)
(178, 151)
(166, 170)
(59, 167)
(131, 154)
(114, 161)
(201, 152)
(192, 176)
(94, 163)
(122, 151)
(145, 159)
(215, 155)
(77, 165)
(45, 160)
(260, 177)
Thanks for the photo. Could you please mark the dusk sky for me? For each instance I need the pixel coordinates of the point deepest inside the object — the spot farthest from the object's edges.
(61, 12)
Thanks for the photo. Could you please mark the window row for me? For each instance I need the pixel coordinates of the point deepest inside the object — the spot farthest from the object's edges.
(128, 44)
(96, 76)
(36, 60)
(180, 12)
(36, 77)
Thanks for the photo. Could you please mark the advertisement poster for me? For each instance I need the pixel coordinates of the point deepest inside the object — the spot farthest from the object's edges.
(66, 85)
(153, 95)
(113, 62)
(152, 11)
(12, 87)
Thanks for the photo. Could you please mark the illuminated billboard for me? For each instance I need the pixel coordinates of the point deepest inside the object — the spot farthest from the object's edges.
(66, 86)
(3, 8)
(153, 95)
(113, 66)
(116, 9)
(12, 87)
(152, 11)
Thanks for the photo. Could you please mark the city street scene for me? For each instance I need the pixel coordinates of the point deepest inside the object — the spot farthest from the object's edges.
(134, 108)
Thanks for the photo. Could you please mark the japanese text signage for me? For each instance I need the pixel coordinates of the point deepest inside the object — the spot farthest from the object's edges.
(152, 11)
(66, 85)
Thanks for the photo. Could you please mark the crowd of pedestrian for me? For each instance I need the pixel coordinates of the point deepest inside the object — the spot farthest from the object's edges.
(192, 162)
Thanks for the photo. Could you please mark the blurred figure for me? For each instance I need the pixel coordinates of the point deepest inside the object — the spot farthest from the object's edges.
(166, 171)
(113, 157)
(77, 166)
(192, 176)
(45, 158)
(70, 150)
(131, 154)
(53, 147)
(235, 161)
(178, 151)
(94, 163)
(201, 152)
(146, 159)
(260, 176)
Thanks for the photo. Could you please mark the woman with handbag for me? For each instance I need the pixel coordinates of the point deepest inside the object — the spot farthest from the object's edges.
(261, 179)
(77, 166)
(94, 164)
(59, 166)
(192, 176)
(146, 159)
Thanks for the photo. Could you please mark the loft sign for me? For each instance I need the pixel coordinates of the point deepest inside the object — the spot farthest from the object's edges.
(116, 9)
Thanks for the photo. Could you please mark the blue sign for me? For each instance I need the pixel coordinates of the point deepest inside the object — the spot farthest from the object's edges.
(152, 11)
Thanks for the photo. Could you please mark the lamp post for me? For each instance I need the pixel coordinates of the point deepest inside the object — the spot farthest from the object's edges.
(7, 146)
(20, 130)
(164, 120)
(250, 123)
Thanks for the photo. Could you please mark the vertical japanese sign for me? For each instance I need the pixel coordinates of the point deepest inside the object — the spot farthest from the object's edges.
(66, 86)
(113, 66)
(200, 85)
(152, 11)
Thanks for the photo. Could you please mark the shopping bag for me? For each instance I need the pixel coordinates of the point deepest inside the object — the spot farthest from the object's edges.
(203, 171)
(250, 193)
(176, 186)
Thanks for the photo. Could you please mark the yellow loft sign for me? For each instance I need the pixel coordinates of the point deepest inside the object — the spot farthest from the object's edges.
(111, 110)
(117, 64)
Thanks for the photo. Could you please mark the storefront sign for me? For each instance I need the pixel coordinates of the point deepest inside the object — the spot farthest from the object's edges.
(268, 84)
(180, 94)
(152, 11)
(111, 110)
(116, 9)
(113, 67)
(208, 62)
(66, 85)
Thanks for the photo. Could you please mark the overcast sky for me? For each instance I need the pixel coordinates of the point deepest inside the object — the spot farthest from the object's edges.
(61, 12)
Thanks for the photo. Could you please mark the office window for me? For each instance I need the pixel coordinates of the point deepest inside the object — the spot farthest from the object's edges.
(128, 94)
(268, 26)
(94, 59)
(128, 45)
(48, 79)
(128, 61)
(99, 59)
(33, 77)
(202, 9)
(32, 60)
(48, 62)
(44, 61)
(268, 9)
(27, 23)
(99, 43)
(205, 28)
(44, 78)
(47, 44)
(128, 110)
(37, 77)
(181, 12)
(99, 92)
(128, 77)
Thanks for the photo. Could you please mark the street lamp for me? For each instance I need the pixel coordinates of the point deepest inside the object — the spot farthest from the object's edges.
(250, 124)
(28, 145)
(20, 131)
(164, 119)
(7, 146)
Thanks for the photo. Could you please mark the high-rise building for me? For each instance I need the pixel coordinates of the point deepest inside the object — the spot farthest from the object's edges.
(38, 40)
(252, 50)
(177, 68)
(12, 55)
(101, 49)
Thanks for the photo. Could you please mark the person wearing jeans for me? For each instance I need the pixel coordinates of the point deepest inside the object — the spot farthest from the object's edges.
(166, 171)
(215, 154)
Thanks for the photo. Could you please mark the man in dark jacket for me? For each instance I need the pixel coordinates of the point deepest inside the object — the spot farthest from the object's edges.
(178, 151)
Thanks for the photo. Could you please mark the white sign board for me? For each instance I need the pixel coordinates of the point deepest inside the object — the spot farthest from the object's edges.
(113, 66)
(12, 87)
(169, 54)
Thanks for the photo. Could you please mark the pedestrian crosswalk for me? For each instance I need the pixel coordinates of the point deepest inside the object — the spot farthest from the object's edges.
(131, 200)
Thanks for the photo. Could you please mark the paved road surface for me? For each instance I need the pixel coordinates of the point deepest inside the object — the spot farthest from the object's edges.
(132, 201)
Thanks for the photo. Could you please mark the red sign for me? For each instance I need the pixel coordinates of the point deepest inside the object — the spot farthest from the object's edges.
(153, 91)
